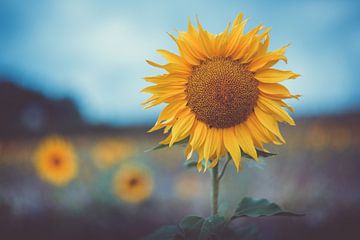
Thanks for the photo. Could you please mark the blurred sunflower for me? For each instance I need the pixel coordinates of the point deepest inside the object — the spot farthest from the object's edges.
(109, 151)
(221, 92)
(133, 184)
(56, 161)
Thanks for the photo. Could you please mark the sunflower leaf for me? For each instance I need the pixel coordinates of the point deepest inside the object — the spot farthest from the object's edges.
(249, 207)
(191, 225)
(260, 153)
(161, 146)
(212, 227)
(190, 163)
(198, 228)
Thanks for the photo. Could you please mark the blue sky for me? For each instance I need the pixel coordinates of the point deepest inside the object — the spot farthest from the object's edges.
(94, 51)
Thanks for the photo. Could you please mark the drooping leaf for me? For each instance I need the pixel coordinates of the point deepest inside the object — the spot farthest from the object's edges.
(249, 207)
(198, 228)
(190, 163)
(260, 153)
(226, 210)
(191, 225)
(212, 228)
(168, 232)
(161, 146)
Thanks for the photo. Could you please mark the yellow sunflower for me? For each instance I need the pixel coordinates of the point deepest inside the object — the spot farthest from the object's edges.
(222, 92)
(133, 184)
(109, 151)
(55, 161)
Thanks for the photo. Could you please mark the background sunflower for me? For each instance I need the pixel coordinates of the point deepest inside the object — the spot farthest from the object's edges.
(56, 161)
(133, 184)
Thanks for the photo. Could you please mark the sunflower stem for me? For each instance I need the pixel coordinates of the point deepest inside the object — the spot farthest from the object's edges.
(215, 189)
(224, 168)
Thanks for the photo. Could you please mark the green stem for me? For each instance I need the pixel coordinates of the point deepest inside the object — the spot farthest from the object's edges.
(215, 189)
(224, 168)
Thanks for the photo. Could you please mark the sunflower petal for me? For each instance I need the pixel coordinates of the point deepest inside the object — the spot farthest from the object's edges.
(273, 107)
(182, 127)
(269, 122)
(267, 60)
(245, 141)
(232, 146)
(274, 75)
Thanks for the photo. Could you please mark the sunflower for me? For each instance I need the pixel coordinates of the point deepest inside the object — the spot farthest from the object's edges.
(133, 184)
(55, 161)
(108, 152)
(221, 93)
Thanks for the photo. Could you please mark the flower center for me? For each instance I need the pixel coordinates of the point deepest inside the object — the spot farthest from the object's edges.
(56, 161)
(222, 92)
(133, 182)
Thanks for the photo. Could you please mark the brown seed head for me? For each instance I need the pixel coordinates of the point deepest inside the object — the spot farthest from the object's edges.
(222, 92)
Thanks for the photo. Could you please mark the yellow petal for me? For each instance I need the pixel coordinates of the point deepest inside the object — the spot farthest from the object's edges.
(188, 53)
(218, 143)
(256, 135)
(265, 135)
(246, 44)
(269, 122)
(274, 108)
(234, 39)
(188, 152)
(199, 135)
(177, 68)
(182, 127)
(214, 163)
(208, 144)
(166, 140)
(171, 110)
(274, 75)
(245, 141)
(238, 19)
(230, 143)
(199, 165)
(263, 46)
(171, 57)
(267, 60)
(205, 40)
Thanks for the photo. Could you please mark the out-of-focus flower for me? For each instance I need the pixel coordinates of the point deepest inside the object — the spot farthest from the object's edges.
(222, 92)
(56, 161)
(133, 184)
(108, 152)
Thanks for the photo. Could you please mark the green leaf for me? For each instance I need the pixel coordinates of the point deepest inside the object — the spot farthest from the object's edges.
(168, 232)
(260, 153)
(190, 163)
(212, 228)
(161, 146)
(191, 225)
(250, 207)
(198, 228)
